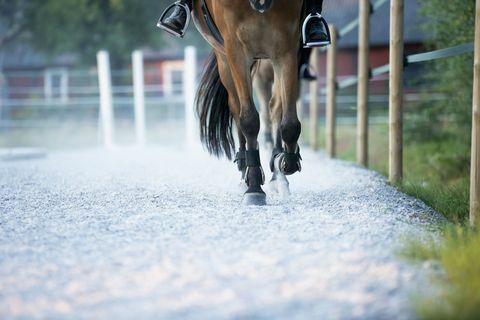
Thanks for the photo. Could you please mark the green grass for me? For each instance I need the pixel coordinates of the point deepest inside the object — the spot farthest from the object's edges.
(451, 200)
(458, 294)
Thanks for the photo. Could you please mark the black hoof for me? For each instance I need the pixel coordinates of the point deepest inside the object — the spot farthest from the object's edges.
(254, 199)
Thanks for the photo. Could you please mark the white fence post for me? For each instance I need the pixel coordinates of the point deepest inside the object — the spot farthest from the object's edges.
(106, 97)
(189, 89)
(139, 96)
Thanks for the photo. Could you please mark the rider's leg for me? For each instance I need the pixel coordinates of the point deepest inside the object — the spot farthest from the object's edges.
(316, 28)
(315, 5)
(304, 67)
(176, 21)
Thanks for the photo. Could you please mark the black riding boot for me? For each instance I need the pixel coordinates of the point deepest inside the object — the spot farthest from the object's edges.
(176, 22)
(316, 33)
(304, 68)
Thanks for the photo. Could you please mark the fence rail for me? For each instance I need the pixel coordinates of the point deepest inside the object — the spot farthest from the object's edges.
(398, 61)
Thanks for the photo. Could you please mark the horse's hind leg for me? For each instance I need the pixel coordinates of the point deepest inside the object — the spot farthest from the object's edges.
(263, 81)
(249, 124)
(279, 182)
(290, 127)
(233, 104)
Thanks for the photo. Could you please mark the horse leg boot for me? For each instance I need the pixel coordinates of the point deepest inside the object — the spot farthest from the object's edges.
(241, 156)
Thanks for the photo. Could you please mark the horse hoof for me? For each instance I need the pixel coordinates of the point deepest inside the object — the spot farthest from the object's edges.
(254, 199)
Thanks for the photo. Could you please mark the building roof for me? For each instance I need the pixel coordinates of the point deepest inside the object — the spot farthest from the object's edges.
(21, 56)
(341, 12)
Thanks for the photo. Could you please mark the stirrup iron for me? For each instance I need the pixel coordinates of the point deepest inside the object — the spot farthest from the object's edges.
(166, 28)
(306, 44)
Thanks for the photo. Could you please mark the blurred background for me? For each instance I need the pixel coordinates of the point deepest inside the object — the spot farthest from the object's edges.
(50, 96)
(49, 87)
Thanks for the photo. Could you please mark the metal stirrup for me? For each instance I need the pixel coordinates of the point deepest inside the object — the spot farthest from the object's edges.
(162, 26)
(311, 16)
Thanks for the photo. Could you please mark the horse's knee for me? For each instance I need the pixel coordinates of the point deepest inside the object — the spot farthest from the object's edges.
(291, 129)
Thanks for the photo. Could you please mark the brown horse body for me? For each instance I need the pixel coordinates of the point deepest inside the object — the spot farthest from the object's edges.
(252, 41)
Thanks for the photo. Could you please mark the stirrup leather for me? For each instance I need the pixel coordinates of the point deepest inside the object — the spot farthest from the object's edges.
(306, 44)
(163, 26)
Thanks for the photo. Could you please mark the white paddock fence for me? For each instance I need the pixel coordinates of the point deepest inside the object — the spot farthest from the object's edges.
(145, 96)
(106, 96)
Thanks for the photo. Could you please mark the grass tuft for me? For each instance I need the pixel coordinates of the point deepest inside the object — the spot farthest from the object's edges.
(451, 200)
(458, 295)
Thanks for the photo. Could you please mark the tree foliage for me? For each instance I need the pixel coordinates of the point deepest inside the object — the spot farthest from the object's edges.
(448, 23)
(83, 26)
(12, 20)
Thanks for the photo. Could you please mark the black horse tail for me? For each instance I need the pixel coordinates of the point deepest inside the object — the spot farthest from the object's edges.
(213, 111)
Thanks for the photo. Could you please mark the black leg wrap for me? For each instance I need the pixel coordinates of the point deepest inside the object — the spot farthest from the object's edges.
(289, 163)
(275, 153)
(241, 160)
(254, 174)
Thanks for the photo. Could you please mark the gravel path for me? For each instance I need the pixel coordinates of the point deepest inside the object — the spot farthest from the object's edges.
(160, 233)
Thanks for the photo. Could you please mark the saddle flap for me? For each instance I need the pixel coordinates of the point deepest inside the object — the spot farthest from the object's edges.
(261, 5)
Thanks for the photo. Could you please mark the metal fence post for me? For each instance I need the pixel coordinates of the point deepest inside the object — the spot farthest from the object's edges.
(396, 91)
(106, 98)
(139, 96)
(314, 101)
(475, 161)
(331, 93)
(363, 80)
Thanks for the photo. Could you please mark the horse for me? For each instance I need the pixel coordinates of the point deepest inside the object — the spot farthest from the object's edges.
(250, 38)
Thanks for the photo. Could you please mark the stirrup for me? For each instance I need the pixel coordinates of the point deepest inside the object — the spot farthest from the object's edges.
(312, 44)
(166, 28)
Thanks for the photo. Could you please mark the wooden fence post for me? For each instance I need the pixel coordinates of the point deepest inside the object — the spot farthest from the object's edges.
(396, 91)
(475, 161)
(314, 102)
(363, 82)
(331, 93)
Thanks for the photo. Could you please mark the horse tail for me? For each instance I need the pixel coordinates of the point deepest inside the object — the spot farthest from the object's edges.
(212, 108)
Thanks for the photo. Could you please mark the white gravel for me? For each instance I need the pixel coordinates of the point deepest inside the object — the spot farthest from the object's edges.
(160, 233)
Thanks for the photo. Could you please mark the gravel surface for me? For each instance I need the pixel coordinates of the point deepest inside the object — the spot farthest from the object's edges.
(160, 233)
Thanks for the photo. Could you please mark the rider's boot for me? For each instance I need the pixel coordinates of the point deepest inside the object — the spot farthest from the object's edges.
(176, 22)
(304, 70)
(315, 28)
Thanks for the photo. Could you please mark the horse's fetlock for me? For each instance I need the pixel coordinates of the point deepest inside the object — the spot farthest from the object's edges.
(291, 130)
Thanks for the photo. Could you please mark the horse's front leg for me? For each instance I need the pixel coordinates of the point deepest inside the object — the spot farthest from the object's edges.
(249, 121)
(289, 161)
